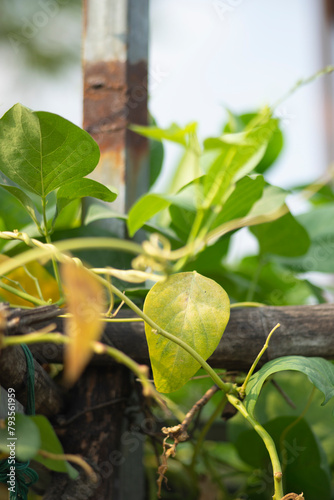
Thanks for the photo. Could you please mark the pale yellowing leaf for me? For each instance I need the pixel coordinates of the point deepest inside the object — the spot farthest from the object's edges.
(85, 302)
(196, 310)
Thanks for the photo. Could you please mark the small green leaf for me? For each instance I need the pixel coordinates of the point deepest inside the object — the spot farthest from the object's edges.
(144, 209)
(25, 201)
(150, 204)
(196, 310)
(284, 236)
(246, 192)
(50, 442)
(81, 188)
(237, 123)
(86, 187)
(41, 151)
(319, 371)
(27, 441)
(156, 160)
(189, 167)
(174, 133)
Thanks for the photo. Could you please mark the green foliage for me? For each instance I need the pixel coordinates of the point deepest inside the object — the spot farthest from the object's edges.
(196, 310)
(218, 187)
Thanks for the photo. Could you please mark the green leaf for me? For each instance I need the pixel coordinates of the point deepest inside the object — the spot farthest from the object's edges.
(246, 192)
(284, 236)
(196, 310)
(150, 204)
(237, 123)
(319, 371)
(319, 224)
(81, 188)
(27, 441)
(156, 160)
(266, 208)
(25, 201)
(50, 442)
(41, 151)
(237, 160)
(144, 209)
(174, 133)
(272, 200)
(189, 167)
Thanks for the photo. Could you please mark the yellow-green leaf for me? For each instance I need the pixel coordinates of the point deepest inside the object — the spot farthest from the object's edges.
(85, 302)
(196, 310)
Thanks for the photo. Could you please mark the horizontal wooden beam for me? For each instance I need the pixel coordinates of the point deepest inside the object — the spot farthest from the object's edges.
(13, 366)
(305, 331)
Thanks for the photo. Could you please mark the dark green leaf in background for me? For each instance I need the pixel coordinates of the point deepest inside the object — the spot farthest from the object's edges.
(284, 236)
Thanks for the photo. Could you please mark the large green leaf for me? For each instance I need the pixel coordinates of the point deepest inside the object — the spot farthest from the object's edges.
(284, 236)
(51, 443)
(196, 310)
(319, 371)
(41, 151)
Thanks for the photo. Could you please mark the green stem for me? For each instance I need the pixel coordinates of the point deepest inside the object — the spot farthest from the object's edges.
(269, 444)
(242, 389)
(205, 430)
(48, 240)
(55, 268)
(23, 295)
(67, 245)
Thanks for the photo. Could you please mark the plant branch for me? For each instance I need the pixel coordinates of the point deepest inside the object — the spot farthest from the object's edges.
(23, 295)
(242, 389)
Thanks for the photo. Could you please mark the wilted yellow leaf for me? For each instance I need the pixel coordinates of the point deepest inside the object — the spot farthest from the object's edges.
(47, 284)
(85, 302)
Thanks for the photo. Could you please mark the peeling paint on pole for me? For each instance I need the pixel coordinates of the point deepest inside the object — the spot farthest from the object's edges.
(115, 92)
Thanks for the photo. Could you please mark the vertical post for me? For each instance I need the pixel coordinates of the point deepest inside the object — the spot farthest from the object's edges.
(115, 48)
(115, 51)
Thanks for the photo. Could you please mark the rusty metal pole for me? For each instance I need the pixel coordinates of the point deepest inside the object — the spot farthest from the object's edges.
(115, 55)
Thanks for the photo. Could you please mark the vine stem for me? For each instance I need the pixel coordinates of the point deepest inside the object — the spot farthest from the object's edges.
(269, 444)
(242, 389)
(24, 295)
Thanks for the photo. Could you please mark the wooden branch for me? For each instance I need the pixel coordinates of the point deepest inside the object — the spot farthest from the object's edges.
(304, 331)
(48, 397)
(13, 366)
